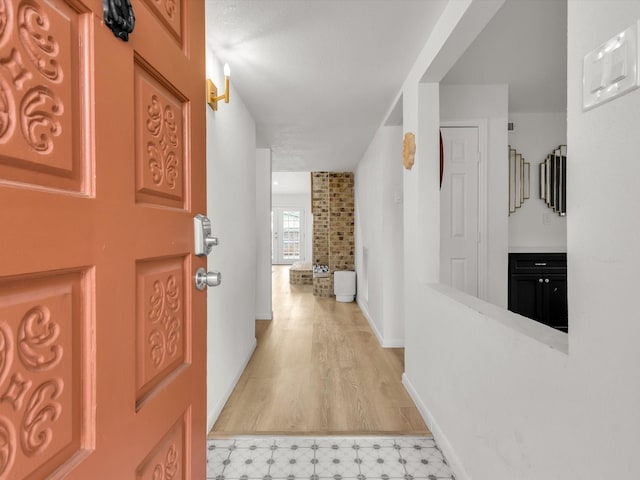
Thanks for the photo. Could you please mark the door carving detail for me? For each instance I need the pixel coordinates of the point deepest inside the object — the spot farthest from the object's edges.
(7, 446)
(15, 66)
(42, 409)
(164, 316)
(37, 41)
(4, 20)
(38, 111)
(169, 13)
(6, 352)
(167, 470)
(161, 327)
(160, 144)
(39, 105)
(41, 357)
(7, 111)
(42, 95)
(37, 336)
(18, 388)
(170, 7)
(165, 462)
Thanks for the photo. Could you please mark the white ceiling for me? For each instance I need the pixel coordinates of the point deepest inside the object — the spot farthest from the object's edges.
(320, 76)
(291, 183)
(524, 45)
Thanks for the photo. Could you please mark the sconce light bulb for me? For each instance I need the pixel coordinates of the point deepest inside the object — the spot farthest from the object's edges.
(227, 70)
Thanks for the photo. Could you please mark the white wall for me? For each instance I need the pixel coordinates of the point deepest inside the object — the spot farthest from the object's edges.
(508, 398)
(263, 234)
(378, 235)
(302, 201)
(489, 103)
(535, 227)
(231, 205)
(603, 234)
(393, 241)
(368, 232)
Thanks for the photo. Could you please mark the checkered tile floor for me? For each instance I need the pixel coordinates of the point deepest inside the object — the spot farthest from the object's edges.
(331, 458)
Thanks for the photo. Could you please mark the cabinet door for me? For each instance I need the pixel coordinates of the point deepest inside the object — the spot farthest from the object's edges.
(556, 301)
(525, 296)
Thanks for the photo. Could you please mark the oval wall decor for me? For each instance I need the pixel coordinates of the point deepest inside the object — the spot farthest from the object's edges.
(441, 159)
(408, 150)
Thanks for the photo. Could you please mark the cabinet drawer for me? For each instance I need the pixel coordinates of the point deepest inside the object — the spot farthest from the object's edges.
(538, 263)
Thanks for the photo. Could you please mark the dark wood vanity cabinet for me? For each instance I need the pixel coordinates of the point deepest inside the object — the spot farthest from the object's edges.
(538, 287)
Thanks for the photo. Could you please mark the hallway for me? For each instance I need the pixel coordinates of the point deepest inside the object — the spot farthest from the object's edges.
(318, 369)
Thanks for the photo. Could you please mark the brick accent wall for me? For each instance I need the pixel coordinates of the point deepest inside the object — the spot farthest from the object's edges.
(300, 277)
(320, 211)
(341, 222)
(333, 207)
(323, 287)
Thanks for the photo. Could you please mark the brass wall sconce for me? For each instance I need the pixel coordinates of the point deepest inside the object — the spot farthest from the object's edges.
(212, 90)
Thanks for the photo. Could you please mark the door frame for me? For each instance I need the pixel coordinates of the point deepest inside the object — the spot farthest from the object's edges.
(483, 244)
(303, 226)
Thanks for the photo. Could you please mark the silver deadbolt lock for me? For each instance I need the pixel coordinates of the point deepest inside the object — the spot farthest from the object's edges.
(203, 241)
(206, 279)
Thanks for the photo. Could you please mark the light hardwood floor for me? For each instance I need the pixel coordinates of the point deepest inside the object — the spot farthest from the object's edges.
(318, 369)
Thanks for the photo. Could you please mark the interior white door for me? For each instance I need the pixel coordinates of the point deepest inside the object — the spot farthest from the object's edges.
(287, 229)
(459, 209)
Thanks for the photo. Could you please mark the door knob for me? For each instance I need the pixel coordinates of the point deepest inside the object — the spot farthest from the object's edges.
(206, 279)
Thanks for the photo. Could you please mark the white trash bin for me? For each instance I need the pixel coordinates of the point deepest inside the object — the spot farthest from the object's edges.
(344, 285)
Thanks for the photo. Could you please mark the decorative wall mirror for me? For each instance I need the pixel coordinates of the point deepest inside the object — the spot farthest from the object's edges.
(519, 180)
(553, 180)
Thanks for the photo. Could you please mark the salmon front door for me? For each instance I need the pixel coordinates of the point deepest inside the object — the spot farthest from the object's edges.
(102, 332)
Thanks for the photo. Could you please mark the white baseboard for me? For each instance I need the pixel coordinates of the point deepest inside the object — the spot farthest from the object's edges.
(264, 316)
(371, 323)
(447, 449)
(392, 343)
(213, 415)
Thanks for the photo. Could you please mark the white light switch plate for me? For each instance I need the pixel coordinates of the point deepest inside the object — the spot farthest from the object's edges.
(611, 69)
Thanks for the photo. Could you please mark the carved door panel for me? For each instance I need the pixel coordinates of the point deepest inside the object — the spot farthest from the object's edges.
(102, 334)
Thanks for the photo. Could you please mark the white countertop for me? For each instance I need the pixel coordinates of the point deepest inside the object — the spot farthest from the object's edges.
(560, 249)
